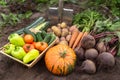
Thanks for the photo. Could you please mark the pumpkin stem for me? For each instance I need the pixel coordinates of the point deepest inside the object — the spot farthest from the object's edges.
(62, 54)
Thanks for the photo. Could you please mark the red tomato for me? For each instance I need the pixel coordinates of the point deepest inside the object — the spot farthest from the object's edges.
(34, 44)
(28, 38)
(43, 46)
(37, 45)
(28, 47)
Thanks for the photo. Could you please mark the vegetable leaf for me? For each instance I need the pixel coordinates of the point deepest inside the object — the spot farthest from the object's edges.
(87, 19)
(115, 26)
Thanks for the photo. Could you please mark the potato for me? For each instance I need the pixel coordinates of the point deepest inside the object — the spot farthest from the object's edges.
(57, 41)
(68, 38)
(65, 32)
(49, 30)
(68, 27)
(63, 42)
(56, 30)
(59, 25)
(72, 28)
(62, 39)
(70, 33)
(63, 25)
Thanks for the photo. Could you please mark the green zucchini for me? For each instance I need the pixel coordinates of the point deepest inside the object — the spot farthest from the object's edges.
(52, 39)
(43, 34)
(27, 31)
(38, 36)
(43, 26)
(33, 25)
(47, 38)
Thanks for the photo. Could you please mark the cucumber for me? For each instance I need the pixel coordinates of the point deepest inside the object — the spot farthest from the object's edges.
(27, 31)
(33, 25)
(43, 26)
(39, 37)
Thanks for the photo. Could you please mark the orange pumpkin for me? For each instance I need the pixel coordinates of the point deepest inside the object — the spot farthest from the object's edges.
(60, 59)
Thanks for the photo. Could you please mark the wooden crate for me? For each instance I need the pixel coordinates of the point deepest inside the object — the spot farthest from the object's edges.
(33, 62)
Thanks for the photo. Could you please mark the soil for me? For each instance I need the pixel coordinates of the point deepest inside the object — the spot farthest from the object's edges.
(12, 70)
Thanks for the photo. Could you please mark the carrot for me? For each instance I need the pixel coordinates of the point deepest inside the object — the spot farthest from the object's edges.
(73, 37)
(77, 39)
(79, 44)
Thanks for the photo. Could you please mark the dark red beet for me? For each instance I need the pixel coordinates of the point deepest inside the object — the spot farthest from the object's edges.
(79, 53)
(101, 47)
(88, 66)
(88, 42)
(106, 59)
(91, 54)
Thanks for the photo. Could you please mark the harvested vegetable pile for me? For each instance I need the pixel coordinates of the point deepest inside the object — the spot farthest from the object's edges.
(92, 41)
(94, 38)
(101, 44)
(93, 58)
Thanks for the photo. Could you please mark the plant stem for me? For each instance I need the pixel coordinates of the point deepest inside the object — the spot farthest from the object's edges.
(113, 50)
(103, 34)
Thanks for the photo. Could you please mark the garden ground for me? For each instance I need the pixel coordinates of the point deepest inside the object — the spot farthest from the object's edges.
(12, 70)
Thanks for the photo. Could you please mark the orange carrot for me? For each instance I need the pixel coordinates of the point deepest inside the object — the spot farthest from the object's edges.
(77, 39)
(79, 44)
(73, 37)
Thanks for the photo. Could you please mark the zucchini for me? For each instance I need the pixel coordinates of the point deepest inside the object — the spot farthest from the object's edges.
(39, 37)
(52, 39)
(43, 34)
(43, 26)
(27, 31)
(33, 25)
(47, 38)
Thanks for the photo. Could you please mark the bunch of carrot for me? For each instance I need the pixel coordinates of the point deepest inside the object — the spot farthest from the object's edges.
(76, 38)
(85, 22)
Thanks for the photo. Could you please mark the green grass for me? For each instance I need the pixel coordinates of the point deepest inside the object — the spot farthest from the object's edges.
(3, 3)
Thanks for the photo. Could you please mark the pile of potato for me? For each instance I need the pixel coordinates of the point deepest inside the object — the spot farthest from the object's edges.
(63, 32)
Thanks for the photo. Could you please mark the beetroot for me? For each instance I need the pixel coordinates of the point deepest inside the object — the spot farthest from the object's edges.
(88, 42)
(101, 47)
(106, 59)
(88, 66)
(80, 53)
(91, 54)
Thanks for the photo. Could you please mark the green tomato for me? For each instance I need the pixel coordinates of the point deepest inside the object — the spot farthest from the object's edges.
(18, 52)
(31, 55)
(9, 48)
(16, 39)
